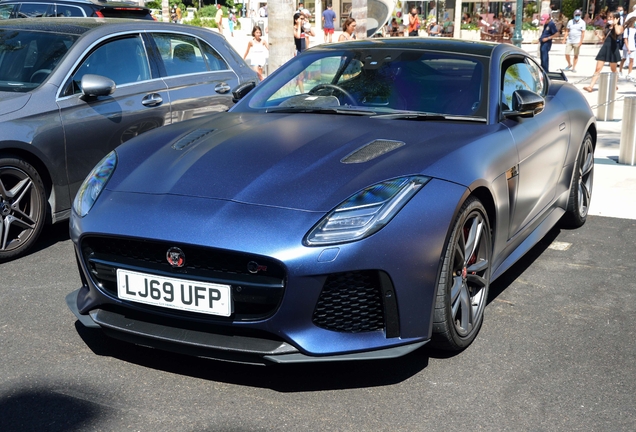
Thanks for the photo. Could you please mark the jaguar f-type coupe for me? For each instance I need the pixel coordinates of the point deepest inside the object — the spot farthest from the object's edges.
(355, 205)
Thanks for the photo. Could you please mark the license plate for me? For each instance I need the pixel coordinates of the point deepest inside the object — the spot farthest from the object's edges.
(172, 293)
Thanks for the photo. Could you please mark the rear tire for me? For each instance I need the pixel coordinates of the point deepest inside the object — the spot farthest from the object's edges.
(22, 207)
(462, 289)
(581, 186)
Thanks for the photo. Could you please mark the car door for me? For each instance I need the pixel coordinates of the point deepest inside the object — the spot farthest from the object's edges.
(96, 125)
(541, 142)
(198, 78)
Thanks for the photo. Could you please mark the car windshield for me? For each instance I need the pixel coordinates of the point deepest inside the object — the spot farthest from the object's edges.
(27, 58)
(378, 81)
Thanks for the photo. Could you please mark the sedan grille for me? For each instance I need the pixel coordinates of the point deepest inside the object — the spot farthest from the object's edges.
(257, 283)
(351, 302)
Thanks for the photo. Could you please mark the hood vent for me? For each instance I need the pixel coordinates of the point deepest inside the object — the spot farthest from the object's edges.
(371, 151)
(191, 137)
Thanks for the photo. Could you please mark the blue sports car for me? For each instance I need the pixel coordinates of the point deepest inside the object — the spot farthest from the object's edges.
(355, 205)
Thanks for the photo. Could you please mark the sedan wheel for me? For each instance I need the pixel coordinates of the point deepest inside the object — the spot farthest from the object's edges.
(581, 186)
(462, 290)
(22, 205)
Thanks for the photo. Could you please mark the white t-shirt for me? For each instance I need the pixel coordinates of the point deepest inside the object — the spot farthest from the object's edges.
(575, 29)
(629, 34)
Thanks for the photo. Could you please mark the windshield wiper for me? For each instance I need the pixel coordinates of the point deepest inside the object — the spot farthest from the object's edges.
(321, 110)
(424, 116)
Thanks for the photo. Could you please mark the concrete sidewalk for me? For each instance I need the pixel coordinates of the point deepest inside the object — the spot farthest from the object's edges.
(614, 192)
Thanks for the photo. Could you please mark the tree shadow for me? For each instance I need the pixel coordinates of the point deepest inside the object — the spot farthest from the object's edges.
(45, 409)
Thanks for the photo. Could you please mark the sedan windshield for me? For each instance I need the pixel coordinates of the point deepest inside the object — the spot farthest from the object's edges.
(27, 58)
(379, 81)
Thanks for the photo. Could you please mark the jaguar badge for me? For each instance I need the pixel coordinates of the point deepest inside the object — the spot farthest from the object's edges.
(175, 257)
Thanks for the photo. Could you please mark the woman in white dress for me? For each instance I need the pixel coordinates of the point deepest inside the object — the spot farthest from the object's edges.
(259, 49)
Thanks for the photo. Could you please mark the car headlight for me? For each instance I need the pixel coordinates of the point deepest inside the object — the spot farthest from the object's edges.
(94, 184)
(365, 212)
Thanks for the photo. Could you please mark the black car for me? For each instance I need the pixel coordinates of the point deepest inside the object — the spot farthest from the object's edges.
(73, 91)
(72, 8)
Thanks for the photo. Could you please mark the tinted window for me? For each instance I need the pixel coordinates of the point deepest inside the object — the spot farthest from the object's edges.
(184, 55)
(27, 58)
(122, 60)
(5, 11)
(380, 80)
(32, 10)
(65, 11)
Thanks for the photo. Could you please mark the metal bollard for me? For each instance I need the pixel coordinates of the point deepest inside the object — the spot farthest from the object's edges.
(606, 96)
(627, 151)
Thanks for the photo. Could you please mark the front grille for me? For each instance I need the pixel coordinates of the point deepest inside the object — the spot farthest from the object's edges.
(254, 295)
(351, 302)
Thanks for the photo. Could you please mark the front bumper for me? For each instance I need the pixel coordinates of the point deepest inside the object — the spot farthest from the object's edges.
(241, 349)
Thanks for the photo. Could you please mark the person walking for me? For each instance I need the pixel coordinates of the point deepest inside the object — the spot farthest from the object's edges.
(231, 20)
(414, 22)
(629, 46)
(259, 48)
(574, 34)
(609, 52)
(349, 28)
(328, 18)
(549, 32)
(218, 18)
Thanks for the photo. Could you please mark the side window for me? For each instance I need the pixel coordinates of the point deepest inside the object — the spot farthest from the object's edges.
(65, 11)
(33, 10)
(180, 54)
(519, 76)
(122, 60)
(6, 10)
(214, 59)
(539, 77)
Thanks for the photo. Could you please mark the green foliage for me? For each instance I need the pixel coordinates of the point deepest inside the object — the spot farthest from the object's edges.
(569, 6)
(154, 4)
(210, 11)
(528, 26)
(470, 26)
(531, 9)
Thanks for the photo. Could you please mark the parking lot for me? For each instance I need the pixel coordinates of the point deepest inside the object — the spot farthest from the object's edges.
(556, 351)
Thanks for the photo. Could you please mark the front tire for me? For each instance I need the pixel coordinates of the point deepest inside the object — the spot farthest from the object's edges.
(462, 289)
(581, 186)
(22, 207)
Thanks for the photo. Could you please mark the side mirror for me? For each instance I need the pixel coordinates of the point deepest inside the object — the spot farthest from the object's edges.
(242, 90)
(525, 103)
(97, 85)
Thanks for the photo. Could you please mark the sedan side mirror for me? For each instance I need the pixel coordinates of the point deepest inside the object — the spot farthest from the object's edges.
(97, 85)
(242, 90)
(525, 103)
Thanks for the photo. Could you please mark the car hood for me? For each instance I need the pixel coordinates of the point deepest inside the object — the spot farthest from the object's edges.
(10, 101)
(307, 162)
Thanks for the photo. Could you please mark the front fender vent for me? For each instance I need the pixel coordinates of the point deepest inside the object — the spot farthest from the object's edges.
(190, 138)
(371, 151)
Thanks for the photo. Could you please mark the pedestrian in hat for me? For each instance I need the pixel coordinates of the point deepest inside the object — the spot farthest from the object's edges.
(549, 32)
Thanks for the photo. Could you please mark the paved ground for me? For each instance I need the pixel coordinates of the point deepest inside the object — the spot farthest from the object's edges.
(556, 352)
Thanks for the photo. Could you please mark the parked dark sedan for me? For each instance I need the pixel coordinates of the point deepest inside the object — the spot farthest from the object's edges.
(356, 204)
(72, 90)
(71, 8)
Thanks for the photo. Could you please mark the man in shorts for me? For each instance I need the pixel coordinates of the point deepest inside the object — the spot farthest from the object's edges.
(574, 33)
(218, 18)
(328, 18)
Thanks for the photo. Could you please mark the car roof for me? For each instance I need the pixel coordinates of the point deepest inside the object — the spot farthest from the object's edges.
(479, 48)
(80, 26)
(94, 2)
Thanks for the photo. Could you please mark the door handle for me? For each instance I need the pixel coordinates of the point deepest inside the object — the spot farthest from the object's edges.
(222, 88)
(152, 99)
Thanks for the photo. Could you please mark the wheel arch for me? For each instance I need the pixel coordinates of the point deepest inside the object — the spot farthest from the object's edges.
(37, 162)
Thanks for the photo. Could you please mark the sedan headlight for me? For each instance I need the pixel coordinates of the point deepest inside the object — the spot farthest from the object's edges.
(94, 184)
(365, 212)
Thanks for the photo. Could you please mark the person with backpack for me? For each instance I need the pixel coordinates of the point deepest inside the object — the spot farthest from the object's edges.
(629, 46)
